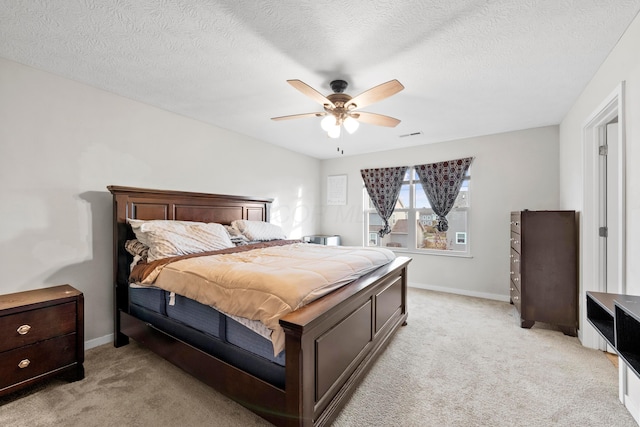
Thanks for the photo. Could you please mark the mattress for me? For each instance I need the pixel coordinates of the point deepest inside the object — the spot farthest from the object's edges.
(203, 318)
(262, 283)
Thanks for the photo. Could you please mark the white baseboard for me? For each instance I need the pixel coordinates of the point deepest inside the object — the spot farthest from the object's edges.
(98, 341)
(465, 292)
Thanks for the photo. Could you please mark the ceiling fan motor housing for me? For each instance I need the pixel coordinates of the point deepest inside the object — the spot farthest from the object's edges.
(338, 86)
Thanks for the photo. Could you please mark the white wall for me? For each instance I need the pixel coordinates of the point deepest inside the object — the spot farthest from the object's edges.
(511, 171)
(63, 142)
(623, 64)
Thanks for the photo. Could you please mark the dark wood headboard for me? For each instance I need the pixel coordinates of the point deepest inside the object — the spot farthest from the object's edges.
(141, 203)
(147, 204)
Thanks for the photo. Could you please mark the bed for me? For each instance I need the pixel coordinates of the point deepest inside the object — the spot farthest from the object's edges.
(329, 344)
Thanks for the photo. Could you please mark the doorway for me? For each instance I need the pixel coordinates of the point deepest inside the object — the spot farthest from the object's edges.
(602, 265)
(603, 258)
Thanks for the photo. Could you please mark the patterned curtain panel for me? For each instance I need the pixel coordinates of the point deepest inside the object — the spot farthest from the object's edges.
(383, 186)
(441, 183)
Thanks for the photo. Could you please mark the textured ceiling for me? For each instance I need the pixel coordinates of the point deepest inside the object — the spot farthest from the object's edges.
(469, 67)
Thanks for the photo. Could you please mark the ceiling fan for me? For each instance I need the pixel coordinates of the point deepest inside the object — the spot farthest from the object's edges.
(341, 109)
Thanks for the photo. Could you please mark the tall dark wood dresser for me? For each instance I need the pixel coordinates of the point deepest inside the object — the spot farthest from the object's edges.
(544, 269)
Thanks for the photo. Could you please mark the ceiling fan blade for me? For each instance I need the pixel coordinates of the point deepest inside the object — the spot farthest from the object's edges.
(375, 94)
(299, 116)
(375, 119)
(311, 93)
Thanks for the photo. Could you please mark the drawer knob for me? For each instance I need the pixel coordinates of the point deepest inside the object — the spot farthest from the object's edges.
(24, 329)
(24, 363)
(516, 298)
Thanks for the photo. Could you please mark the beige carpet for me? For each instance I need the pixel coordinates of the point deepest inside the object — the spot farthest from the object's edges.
(461, 361)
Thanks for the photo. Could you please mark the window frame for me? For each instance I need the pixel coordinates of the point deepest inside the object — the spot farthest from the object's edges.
(413, 214)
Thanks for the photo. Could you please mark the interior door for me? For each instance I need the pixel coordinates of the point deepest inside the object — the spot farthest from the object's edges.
(608, 204)
(603, 191)
(612, 205)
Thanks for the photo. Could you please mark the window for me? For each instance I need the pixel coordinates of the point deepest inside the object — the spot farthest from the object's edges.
(413, 221)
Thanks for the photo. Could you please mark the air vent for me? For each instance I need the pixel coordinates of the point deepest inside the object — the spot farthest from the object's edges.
(411, 134)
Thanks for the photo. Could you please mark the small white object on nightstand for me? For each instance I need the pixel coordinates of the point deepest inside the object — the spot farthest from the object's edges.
(321, 239)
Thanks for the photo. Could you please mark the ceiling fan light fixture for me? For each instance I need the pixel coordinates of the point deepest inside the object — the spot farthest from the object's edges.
(334, 132)
(328, 123)
(350, 124)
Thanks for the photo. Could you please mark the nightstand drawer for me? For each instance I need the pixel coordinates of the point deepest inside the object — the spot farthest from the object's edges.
(28, 327)
(33, 360)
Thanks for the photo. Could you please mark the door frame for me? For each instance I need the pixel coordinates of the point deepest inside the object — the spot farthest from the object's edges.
(593, 132)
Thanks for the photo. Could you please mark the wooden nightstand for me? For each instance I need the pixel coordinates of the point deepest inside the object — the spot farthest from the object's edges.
(41, 336)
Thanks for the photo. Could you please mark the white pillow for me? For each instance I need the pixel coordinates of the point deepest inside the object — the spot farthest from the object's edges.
(259, 230)
(167, 238)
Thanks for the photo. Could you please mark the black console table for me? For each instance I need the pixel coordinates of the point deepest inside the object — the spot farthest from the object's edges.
(617, 318)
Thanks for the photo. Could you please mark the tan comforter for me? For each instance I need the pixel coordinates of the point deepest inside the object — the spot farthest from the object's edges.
(265, 284)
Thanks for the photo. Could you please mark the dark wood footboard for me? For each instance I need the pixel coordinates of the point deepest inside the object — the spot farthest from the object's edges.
(330, 343)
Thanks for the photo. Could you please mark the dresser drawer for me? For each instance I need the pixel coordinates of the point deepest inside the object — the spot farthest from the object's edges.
(28, 327)
(514, 272)
(515, 297)
(515, 222)
(33, 360)
(516, 242)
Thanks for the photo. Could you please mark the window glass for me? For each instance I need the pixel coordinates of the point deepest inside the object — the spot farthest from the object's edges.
(421, 198)
(399, 236)
(454, 239)
(404, 198)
